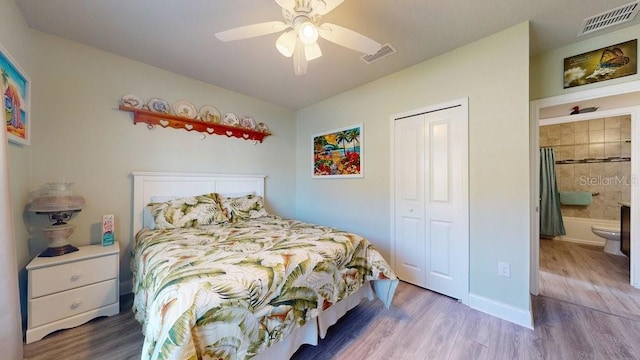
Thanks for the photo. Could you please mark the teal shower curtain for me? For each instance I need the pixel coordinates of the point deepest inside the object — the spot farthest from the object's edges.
(550, 216)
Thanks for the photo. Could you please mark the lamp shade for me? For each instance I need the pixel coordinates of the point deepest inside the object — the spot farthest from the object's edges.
(56, 197)
(312, 51)
(51, 203)
(286, 43)
(308, 33)
(59, 203)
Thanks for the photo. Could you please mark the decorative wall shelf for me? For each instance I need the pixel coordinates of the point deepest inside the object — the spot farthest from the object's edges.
(152, 119)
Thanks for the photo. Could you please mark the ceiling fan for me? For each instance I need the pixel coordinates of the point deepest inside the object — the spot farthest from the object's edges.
(301, 28)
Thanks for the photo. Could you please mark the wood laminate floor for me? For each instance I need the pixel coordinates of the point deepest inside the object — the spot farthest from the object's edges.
(587, 276)
(420, 325)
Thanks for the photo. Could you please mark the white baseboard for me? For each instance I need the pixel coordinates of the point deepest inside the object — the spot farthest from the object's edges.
(503, 311)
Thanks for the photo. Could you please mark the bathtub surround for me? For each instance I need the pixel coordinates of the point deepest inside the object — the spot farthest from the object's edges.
(593, 156)
(550, 215)
(579, 230)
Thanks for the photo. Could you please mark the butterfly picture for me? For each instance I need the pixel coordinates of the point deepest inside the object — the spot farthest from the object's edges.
(611, 62)
(613, 58)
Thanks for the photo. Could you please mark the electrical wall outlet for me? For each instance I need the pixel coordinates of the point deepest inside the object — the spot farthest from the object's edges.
(504, 269)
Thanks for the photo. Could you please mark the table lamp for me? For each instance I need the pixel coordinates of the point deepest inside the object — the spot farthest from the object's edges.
(59, 204)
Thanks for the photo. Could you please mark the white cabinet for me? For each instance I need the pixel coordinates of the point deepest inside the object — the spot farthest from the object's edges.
(69, 290)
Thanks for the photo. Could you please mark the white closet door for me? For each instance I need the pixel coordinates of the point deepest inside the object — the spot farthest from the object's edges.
(447, 233)
(431, 201)
(410, 247)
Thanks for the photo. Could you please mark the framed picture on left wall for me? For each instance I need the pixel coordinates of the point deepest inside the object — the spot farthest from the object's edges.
(15, 90)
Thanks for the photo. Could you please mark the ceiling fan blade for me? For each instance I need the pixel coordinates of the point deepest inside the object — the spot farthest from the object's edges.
(348, 38)
(249, 31)
(323, 7)
(287, 4)
(312, 51)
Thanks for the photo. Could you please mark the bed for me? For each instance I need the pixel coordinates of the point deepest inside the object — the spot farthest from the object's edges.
(215, 276)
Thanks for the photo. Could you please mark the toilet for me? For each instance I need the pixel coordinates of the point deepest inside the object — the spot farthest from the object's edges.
(612, 237)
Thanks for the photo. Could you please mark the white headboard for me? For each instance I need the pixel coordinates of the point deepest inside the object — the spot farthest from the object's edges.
(148, 185)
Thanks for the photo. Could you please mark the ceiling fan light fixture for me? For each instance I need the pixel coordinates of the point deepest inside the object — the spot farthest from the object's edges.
(302, 26)
(286, 43)
(312, 51)
(308, 33)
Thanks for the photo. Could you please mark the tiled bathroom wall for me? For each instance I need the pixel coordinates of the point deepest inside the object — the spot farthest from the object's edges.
(592, 149)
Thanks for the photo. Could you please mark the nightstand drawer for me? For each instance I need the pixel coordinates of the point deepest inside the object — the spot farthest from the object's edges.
(53, 279)
(54, 307)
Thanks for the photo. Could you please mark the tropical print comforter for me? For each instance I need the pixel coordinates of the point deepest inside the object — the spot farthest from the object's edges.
(227, 291)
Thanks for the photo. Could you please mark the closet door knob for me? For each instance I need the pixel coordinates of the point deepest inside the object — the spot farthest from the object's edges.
(410, 210)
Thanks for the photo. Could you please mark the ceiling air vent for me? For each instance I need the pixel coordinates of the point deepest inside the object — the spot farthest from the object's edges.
(612, 17)
(384, 51)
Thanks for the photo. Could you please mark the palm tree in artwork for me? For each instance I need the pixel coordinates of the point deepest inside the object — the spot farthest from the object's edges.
(353, 135)
(342, 137)
(319, 143)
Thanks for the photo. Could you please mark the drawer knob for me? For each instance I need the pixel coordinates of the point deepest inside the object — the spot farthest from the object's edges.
(75, 304)
(76, 276)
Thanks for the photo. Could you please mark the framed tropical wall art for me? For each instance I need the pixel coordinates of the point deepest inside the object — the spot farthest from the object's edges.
(338, 153)
(15, 88)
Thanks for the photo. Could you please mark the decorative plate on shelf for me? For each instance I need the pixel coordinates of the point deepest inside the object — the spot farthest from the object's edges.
(132, 101)
(210, 114)
(159, 105)
(262, 127)
(230, 119)
(185, 109)
(248, 123)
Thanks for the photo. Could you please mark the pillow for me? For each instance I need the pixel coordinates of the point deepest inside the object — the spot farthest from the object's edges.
(245, 207)
(188, 212)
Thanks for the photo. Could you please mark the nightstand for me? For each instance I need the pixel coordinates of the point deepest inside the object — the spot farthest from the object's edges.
(68, 290)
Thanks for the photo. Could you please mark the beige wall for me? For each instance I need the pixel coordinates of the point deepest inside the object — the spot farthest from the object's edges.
(592, 139)
(81, 136)
(499, 155)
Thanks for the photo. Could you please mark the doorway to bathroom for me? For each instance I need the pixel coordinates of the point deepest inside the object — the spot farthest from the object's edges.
(593, 175)
(595, 156)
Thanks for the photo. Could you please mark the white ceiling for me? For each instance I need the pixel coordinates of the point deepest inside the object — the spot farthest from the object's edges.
(178, 35)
